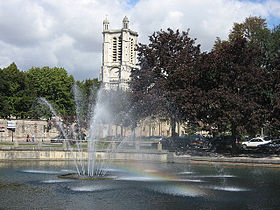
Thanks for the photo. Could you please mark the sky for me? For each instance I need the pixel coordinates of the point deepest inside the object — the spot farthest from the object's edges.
(68, 33)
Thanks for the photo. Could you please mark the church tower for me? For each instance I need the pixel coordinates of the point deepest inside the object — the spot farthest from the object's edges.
(119, 55)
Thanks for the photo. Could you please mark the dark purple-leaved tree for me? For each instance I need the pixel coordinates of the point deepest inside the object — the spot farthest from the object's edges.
(234, 88)
(165, 65)
(273, 123)
(266, 45)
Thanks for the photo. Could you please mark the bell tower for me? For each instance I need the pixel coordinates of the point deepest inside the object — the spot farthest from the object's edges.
(118, 55)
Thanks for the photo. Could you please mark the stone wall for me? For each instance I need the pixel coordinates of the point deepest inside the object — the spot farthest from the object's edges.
(50, 154)
(145, 128)
(38, 128)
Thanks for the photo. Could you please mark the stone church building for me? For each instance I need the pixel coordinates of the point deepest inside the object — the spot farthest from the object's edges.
(119, 55)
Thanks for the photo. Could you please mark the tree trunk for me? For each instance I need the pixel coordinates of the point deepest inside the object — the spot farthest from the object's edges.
(173, 126)
(233, 143)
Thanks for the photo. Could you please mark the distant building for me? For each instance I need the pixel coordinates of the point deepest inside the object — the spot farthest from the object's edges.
(119, 55)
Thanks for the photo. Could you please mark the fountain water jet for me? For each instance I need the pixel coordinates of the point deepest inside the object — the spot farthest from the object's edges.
(62, 130)
(99, 114)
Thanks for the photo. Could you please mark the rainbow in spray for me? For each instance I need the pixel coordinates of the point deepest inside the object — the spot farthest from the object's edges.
(163, 182)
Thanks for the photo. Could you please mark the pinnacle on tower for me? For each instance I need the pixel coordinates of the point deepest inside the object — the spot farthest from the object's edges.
(106, 24)
(125, 22)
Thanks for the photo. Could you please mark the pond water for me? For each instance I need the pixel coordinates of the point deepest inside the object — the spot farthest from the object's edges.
(138, 185)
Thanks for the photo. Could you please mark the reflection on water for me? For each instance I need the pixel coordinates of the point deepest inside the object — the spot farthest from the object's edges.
(227, 188)
(53, 181)
(34, 184)
(91, 188)
(41, 171)
(186, 172)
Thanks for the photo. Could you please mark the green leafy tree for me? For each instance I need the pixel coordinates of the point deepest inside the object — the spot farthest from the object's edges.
(251, 29)
(85, 94)
(89, 86)
(17, 96)
(4, 89)
(55, 85)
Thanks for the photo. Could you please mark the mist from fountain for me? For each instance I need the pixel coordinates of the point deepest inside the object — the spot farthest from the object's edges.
(99, 114)
(59, 124)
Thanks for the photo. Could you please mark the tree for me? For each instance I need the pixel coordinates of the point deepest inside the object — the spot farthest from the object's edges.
(55, 85)
(273, 92)
(89, 86)
(85, 95)
(272, 53)
(268, 42)
(16, 95)
(259, 37)
(4, 89)
(164, 64)
(250, 29)
(257, 34)
(273, 125)
(235, 87)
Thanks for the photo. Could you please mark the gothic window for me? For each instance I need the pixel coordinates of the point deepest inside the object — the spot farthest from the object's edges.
(114, 49)
(117, 49)
(131, 50)
(120, 49)
(125, 25)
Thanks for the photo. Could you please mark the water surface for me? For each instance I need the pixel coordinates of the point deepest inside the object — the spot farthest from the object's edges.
(35, 185)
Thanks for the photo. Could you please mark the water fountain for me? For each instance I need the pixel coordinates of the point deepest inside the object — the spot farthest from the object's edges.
(99, 114)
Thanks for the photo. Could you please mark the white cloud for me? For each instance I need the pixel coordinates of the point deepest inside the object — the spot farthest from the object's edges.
(24, 24)
(274, 7)
(68, 33)
(206, 19)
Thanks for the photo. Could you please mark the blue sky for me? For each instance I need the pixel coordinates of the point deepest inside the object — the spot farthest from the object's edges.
(272, 20)
(68, 33)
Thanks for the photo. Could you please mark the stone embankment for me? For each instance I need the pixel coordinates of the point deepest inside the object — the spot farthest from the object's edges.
(241, 159)
(50, 154)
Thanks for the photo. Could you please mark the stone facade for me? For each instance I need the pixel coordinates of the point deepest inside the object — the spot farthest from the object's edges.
(42, 130)
(119, 55)
(39, 128)
(145, 128)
